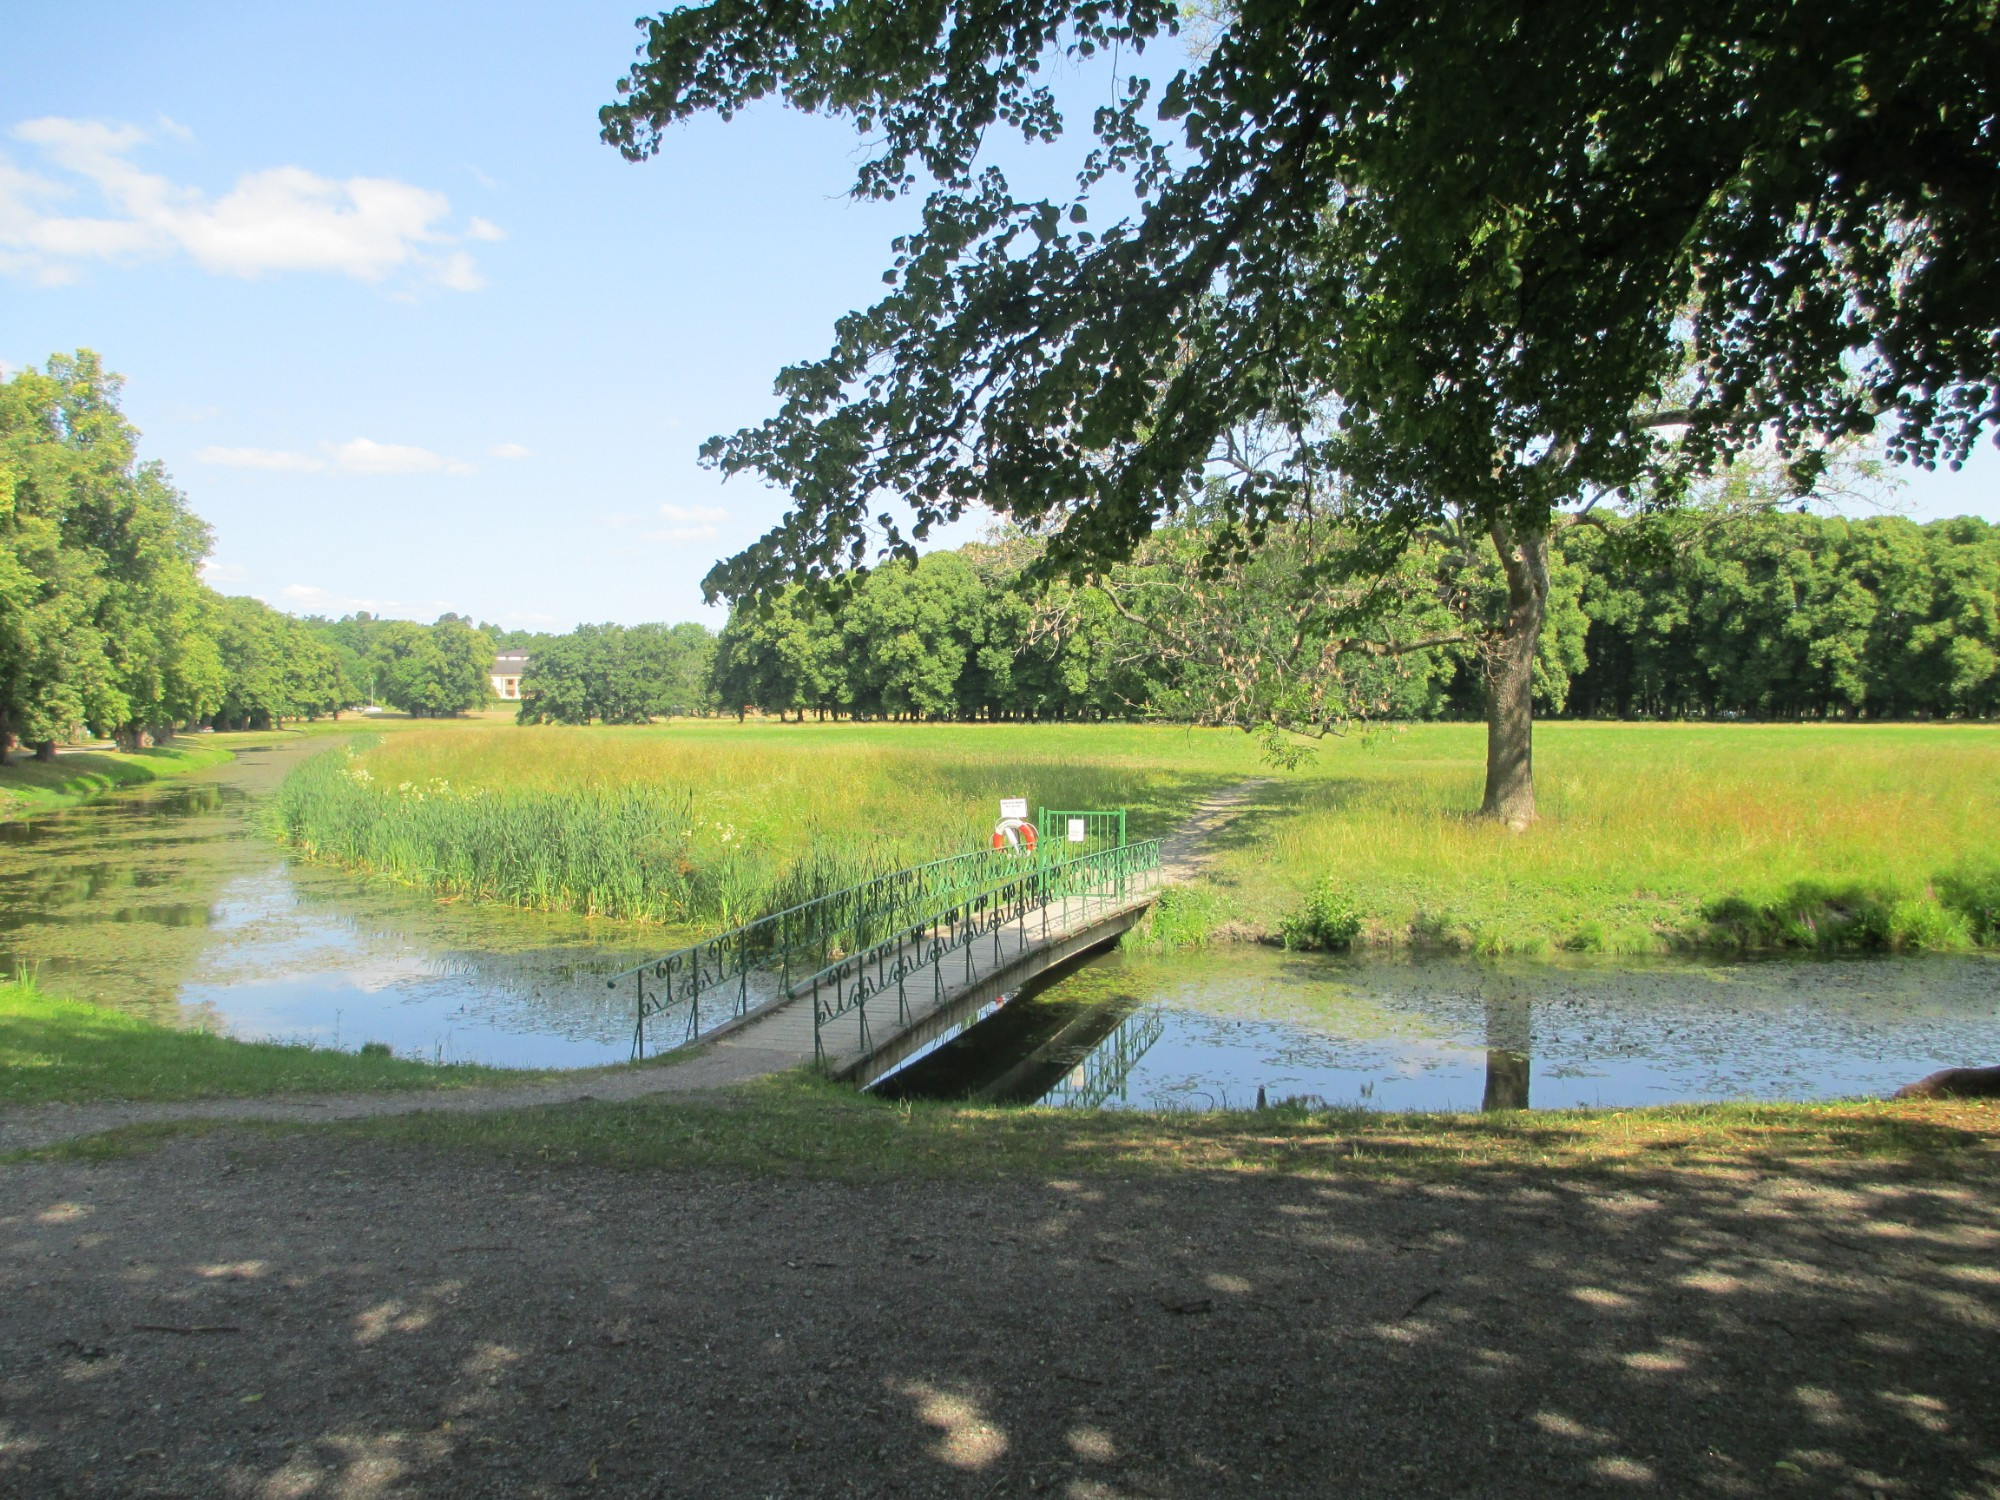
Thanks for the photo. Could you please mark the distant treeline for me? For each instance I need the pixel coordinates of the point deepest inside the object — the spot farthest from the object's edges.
(106, 627)
(1772, 614)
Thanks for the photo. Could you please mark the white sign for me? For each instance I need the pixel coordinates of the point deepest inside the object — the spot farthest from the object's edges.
(1013, 807)
(1076, 830)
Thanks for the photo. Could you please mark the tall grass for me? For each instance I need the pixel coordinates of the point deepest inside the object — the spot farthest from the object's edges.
(1652, 838)
(689, 829)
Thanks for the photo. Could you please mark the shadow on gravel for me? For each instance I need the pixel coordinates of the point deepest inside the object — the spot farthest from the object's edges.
(314, 1316)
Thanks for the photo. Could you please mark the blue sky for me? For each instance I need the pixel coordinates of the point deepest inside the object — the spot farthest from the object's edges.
(410, 337)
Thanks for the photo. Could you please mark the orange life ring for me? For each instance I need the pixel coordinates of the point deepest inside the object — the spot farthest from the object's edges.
(1012, 832)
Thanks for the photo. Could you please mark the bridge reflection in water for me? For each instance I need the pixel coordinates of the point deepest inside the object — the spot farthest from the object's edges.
(1103, 1075)
(1041, 1048)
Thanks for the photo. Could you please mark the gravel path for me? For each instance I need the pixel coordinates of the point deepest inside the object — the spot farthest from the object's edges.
(326, 1316)
(713, 1066)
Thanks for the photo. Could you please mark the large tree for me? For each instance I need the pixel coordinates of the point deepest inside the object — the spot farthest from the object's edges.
(101, 603)
(1490, 267)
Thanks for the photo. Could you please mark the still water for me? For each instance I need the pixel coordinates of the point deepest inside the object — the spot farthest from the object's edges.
(1207, 1031)
(169, 902)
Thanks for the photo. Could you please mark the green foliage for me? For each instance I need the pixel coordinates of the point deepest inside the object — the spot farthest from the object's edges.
(1761, 613)
(101, 608)
(617, 675)
(1360, 277)
(1496, 284)
(1818, 917)
(431, 671)
(1781, 615)
(274, 667)
(1327, 919)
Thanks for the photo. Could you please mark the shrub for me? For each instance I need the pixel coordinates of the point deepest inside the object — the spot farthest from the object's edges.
(1327, 920)
(1974, 895)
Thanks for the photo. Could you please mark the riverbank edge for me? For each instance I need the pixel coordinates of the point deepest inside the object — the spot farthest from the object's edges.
(1956, 913)
(30, 788)
(797, 1126)
(55, 1051)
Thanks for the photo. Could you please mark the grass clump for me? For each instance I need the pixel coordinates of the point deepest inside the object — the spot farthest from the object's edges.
(1327, 920)
(63, 1051)
(1184, 917)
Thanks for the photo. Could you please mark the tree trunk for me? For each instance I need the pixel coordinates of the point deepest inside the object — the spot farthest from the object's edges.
(1510, 678)
(46, 750)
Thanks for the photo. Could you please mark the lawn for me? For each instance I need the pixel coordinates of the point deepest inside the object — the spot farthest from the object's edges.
(60, 1051)
(1653, 838)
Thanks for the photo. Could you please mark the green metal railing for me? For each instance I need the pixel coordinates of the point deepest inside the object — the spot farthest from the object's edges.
(754, 964)
(1034, 889)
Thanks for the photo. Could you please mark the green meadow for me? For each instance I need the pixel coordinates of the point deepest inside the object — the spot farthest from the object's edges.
(1653, 837)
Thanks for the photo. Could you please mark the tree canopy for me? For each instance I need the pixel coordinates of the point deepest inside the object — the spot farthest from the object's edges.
(1483, 267)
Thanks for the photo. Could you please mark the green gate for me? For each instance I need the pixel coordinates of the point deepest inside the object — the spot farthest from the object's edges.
(1067, 834)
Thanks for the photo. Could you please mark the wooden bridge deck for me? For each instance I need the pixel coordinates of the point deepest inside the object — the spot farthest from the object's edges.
(876, 1037)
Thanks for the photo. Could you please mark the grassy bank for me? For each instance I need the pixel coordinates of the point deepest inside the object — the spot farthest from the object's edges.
(60, 1051)
(707, 824)
(1652, 838)
(796, 1125)
(30, 786)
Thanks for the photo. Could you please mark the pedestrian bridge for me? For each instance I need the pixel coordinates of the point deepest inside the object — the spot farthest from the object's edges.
(862, 979)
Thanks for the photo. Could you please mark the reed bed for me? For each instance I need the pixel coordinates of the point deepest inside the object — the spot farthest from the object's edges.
(687, 829)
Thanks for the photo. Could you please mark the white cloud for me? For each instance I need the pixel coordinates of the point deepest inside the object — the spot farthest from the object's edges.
(683, 534)
(356, 456)
(693, 513)
(477, 228)
(366, 456)
(260, 458)
(214, 572)
(508, 450)
(278, 219)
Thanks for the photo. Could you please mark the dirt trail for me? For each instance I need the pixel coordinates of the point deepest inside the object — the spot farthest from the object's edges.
(707, 1067)
(249, 1319)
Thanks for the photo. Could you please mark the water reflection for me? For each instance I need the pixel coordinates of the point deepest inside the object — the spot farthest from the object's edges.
(169, 902)
(1507, 1047)
(1212, 1030)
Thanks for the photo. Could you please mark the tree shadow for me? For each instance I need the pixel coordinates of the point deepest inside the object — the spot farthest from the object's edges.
(314, 1315)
